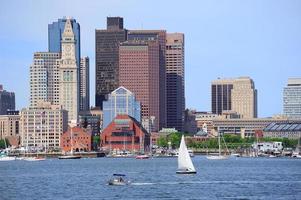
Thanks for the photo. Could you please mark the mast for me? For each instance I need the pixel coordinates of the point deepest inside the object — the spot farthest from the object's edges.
(219, 144)
(71, 135)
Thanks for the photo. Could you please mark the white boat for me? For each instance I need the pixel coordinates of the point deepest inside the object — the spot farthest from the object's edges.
(32, 159)
(119, 180)
(142, 156)
(7, 158)
(219, 156)
(185, 165)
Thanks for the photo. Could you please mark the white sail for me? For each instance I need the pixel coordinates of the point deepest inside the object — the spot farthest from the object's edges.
(184, 160)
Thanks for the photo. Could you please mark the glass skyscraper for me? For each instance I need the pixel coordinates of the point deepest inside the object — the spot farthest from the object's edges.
(292, 98)
(120, 101)
(55, 32)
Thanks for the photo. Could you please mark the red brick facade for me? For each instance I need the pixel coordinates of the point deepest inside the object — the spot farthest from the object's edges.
(125, 133)
(81, 140)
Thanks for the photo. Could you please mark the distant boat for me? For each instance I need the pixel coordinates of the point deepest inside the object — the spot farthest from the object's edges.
(7, 158)
(118, 179)
(185, 165)
(142, 157)
(219, 156)
(37, 158)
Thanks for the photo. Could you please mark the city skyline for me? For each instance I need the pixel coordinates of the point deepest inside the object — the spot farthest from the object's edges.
(255, 39)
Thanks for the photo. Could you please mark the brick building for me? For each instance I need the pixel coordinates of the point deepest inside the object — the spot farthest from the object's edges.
(125, 133)
(81, 140)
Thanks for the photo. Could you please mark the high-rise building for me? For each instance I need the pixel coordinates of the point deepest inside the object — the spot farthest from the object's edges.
(238, 95)
(55, 36)
(292, 98)
(121, 101)
(84, 84)
(42, 126)
(221, 95)
(139, 70)
(160, 37)
(175, 91)
(244, 97)
(44, 78)
(68, 70)
(107, 58)
(7, 101)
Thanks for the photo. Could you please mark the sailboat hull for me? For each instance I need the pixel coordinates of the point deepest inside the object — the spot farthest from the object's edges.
(69, 157)
(186, 172)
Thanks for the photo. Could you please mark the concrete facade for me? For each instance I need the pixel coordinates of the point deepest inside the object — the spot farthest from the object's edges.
(84, 84)
(7, 101)
(292, 98)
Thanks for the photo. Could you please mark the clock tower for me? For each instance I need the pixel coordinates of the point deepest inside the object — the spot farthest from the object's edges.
(69, 74)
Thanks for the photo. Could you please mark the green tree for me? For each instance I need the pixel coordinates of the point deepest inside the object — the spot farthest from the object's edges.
(162, 142)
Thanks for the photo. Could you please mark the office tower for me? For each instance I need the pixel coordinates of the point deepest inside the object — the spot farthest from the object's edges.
(160, 37)
(55, 35)
(221, 95)
(42, 126)
(69, 84)
(44, 78)
(175, 91)
(244, 97)
(107, 58)
(238, 95)
(139, 69)
(292, 98)
(84, 84)
(7, 101)
(120, 101)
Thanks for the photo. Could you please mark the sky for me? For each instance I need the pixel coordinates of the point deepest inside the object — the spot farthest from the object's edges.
(226, 39)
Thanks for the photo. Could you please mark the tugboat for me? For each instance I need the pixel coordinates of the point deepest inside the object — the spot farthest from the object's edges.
(118, 179)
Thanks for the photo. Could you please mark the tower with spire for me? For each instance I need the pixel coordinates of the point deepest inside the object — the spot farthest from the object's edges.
(69, 74)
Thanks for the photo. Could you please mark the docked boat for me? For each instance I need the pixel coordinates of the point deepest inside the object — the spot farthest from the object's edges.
(69, 157)
(119, 180)
(32, 159)
(7, 158)
(142, 157)
(185, 165)
(219, 156)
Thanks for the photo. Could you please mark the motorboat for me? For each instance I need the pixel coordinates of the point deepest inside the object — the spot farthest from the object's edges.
(185, 165)
(119, 180)
(69, 157)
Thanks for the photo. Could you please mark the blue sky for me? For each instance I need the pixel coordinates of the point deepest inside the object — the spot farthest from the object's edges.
(260, 39)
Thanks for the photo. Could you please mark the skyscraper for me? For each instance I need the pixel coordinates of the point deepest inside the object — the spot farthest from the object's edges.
(107, 58)
(237, 95)
(55, 35)
(44, 78)
(175, 91)
(160, 37)
(244, 97)
(7, 101)
(292, 98)
(221, 95)
(69, 74)
(120, 101)
(139, 70)
(84, 84)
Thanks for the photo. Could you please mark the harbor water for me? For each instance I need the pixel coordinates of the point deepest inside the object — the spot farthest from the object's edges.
(235, 178)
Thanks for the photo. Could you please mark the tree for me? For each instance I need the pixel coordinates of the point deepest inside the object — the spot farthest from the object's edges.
(162, 142)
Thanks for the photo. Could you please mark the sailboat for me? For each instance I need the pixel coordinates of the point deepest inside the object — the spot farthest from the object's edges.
(185, 165)
(71, 155)
(219, 156)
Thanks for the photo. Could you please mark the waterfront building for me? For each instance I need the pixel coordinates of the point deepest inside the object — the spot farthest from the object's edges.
(91, 119)
(42, 126)
(291, 130)
(292, 98)
(244, 127)
(175, 90)
(139, 72)
(267, 147)
(7, 101)
(158, 36)
(55, 36)
(84, 84)
(69, 74)
(44, 76)
(121, 101)
(107, 58)
(125, 133)
(238, 95)
(9, 125)
(204, 121)
(76, 138)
